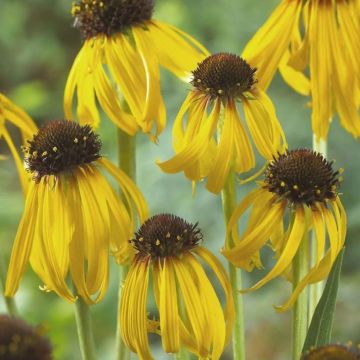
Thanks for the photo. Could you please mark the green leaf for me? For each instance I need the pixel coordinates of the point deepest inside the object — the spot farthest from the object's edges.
(319, 332)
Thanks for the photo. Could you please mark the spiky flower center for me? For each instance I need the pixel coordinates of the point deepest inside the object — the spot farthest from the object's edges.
(165, 235)
(302, 176)
(20, 341)
(332, 352)
(61, 146)
(93, 17)
(224, 75)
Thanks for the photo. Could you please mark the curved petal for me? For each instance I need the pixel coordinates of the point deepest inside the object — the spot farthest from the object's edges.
(289, 251)
(169, 317)
(132, 194)
(266, 48)
(177, 51)
(133, 319)
(23, 241)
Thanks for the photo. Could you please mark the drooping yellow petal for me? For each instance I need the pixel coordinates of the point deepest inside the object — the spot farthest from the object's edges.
(196, 148)
(263, 125)
(253, 240)
(289, 251)
(134, 198)
(266, 48)
(320, 68)
(217, 328)
(109, 101)
(193, 305)
(133, 318)
(153, 100)
(169, 317)
(23, 242)
(221, 274)
(177, 51)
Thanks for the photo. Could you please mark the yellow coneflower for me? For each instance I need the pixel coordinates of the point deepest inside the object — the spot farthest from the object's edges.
(168, 248)
(18, 340)
(220, 81)
(332, 352)
(329, 47)
(15, 116)
(72, 215)
(122, 52)
(300, 190)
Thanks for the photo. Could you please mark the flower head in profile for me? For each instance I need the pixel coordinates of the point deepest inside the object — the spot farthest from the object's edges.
(299, 193)
(73, 216)
(20, 341)
(332, 352)
(122, 51)
(168, 250)
(327, 50)
(11, 113)
(219, 82)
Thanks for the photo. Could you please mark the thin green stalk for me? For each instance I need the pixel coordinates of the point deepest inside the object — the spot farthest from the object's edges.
(9, 301)
(228, 196)
(315, 290)
(300, 311)
(84, 329)
(127, 163)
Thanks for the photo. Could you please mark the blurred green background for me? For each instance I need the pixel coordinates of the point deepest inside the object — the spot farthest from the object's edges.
(37, 47)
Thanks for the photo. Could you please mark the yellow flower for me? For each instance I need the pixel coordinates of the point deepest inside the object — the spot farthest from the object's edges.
(329, 47)
(168, 249)
(122, 52)
(17, 117)
(219, 82)
(72, 215)
(300, 192)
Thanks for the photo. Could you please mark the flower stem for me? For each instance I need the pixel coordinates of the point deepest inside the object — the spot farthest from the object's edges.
(300, 311)
(84, 329)
(228, 196)
(315, 290)
(127, 163)
(9, 301)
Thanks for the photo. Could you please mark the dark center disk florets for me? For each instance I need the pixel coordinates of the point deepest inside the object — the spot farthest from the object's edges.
(93, 17)
(224, 75)
(332, 352)
(60, 146)
(166, 235)
(19, 341)
(303, 177)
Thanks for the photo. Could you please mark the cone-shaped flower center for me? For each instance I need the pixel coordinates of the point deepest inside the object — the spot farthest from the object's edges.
(93, 17)
(165, 235)
(21, 341)
(224, 75)
(59, 146)
(332, 352)
(302, 176)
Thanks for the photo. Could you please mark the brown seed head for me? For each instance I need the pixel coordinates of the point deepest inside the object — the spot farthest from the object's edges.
(60, 146)
(224, 75)
(332, 352)
(302, 176)
(165, 235)
(93, 17)
(20, 341)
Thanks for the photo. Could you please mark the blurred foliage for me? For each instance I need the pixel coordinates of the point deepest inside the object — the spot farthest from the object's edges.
(37, 47)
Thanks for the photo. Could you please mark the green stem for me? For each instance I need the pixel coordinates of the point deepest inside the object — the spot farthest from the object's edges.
(300, 311)
(9, 301)
(228, 196)
(315, 290)
(127, 163)
(84, 329)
